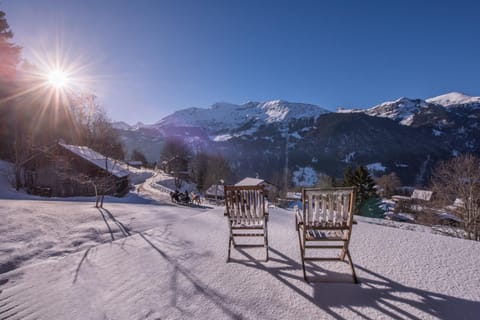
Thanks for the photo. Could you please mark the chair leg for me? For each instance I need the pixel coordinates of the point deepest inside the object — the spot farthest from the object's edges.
(265, 234)
(351, 266)
(230, 240)
(302, 255)
(229, 246)
(344, 251)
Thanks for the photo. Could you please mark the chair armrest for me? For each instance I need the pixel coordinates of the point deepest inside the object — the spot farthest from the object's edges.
(298, 216)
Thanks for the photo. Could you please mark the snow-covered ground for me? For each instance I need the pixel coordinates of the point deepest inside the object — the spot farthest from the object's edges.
(304, 176)
(144, 258)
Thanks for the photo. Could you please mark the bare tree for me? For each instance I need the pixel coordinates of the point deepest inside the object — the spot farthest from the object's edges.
(177, 154)
(94, 126)
(174, 147)
(459, 178)
(389, 183)
(324, 181)
(209, 170)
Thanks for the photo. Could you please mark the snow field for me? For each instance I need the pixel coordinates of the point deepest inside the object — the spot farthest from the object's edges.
(168, 262)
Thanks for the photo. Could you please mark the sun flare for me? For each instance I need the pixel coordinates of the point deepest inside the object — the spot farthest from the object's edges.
(58, 78)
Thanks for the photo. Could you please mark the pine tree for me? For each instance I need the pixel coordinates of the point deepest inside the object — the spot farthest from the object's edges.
(9, 59)
(364, 185)
(9, 52)
(348, 180)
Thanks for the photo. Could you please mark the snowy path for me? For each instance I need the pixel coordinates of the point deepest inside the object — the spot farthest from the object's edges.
(173, 267)
(146, 190)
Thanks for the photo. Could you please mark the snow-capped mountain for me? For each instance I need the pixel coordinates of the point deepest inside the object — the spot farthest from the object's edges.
(204, 127)
(248, 117)
(402, 110)
(121, 125)
(406, 110)
(454, 99)
(125, 126)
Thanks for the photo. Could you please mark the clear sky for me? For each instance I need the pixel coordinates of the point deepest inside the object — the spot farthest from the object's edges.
(149, 58)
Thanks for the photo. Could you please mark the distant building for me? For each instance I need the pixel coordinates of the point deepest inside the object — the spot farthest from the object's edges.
(447, 218)
(398, 198)
(248, 181)
(65, 170)
(423, 195)
(269, 187)
(215, 192)
(417, 196)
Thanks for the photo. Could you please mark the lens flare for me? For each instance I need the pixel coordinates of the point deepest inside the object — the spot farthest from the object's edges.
(58, 79)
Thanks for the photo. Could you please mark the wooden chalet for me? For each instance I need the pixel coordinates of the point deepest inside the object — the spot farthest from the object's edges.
(422, 195)
(215, 192)
(64, 170)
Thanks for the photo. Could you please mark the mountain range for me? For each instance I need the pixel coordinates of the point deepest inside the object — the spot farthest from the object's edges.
(406, 136)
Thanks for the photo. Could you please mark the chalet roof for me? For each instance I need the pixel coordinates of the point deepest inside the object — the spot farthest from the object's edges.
(215, 189)
(450, 216)
(400, 198)
(422, 194)
(250, 182)
(110, 165)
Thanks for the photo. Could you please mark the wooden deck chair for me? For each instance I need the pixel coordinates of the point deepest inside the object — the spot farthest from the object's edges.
(247, 215)
(325, 223)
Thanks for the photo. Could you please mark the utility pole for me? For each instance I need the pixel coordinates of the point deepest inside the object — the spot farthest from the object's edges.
(285, 170)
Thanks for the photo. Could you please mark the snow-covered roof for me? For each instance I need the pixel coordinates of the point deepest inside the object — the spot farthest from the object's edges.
(400, 198)
(215, 190)
(250, 182)
(449, 216)
(422, 194)
(406, 217)
(110, 165)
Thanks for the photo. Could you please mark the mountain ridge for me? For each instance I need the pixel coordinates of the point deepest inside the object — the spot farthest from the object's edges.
(405, 104)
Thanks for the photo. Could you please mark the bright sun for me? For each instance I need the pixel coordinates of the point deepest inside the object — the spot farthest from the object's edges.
(58, 78)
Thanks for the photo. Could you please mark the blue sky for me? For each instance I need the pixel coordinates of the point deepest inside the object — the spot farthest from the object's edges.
(149, 58)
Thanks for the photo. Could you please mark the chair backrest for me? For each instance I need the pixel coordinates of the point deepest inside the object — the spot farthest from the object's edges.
(245, 204)
(332, 208)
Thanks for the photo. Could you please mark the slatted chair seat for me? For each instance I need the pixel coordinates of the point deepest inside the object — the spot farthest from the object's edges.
(326, 220)
(333, 235)
(247, 215)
